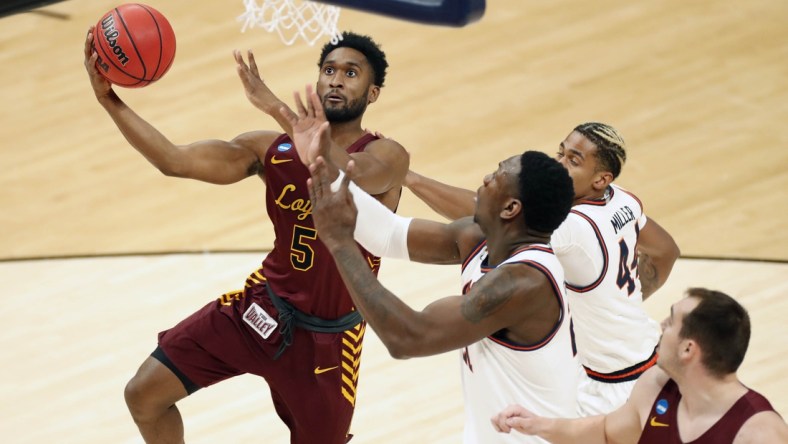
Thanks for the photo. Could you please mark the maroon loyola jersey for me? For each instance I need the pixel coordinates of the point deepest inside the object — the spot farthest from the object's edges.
(662, 424)
(300, 269)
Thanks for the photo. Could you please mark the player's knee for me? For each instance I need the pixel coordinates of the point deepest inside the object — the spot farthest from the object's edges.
(135, 395)
(144, 401)
(152, 391)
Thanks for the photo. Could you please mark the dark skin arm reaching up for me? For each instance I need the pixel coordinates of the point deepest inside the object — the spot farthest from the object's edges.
(214, 161)
(513, 297)
(258, 93)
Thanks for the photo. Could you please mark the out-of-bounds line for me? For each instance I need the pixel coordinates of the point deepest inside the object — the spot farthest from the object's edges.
(129, 254)
(263, 251)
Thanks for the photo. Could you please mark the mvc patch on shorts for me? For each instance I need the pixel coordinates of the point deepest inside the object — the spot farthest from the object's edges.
(259, 320)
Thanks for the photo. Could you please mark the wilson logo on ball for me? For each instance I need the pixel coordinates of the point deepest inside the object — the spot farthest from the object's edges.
(135, 45)
(111, 35)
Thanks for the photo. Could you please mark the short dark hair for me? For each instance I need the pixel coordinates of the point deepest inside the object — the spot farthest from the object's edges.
(365, 45)
(721, 326)
(545, 190)
(610, 146)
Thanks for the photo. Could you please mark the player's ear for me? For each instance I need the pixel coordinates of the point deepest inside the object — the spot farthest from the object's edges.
(602, 179)
(374, 92)
(512, 209)
(688, 349)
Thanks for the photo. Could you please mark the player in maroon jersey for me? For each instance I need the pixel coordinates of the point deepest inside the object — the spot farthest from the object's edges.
(293, 323)
(693, 395)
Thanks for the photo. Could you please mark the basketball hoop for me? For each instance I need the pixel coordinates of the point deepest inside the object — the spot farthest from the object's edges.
(292, 19)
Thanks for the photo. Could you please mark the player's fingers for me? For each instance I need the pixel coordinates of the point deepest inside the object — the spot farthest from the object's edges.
(310, 186)
(253, 64)
(346, 180)
(321, 177)
(92, 63)
(317, 186)
(495, 420)
(324, 133)
(309, 102)
(299, 104)
(317, 105)
(313, 168)
(350, 169)
(89, 42)
(517, 423)
(238, 59)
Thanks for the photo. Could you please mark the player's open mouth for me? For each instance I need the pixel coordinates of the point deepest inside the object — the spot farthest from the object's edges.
(334, 98)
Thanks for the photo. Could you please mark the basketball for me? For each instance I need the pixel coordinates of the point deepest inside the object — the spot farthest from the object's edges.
(135, 45)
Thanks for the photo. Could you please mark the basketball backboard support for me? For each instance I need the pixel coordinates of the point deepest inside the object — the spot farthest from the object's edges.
(311, 20)
(456, 13)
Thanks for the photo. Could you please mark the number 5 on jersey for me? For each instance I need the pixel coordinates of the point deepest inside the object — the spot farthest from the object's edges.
(302, 256)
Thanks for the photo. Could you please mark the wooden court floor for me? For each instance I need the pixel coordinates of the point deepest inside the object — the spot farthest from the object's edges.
(73, 339)
(698, 89)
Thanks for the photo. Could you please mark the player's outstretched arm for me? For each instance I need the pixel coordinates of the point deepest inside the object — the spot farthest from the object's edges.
(623, 425)
(381, 231)
(258, 93)
(449, 323)
(213, 161)
(657, 253)
(518, 419)
(449, 201)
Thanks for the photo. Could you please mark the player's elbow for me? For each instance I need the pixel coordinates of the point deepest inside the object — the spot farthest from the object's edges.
(399, 349)
(669, 254)
(675, 251)
(663, 252)
(171, 168)
(170, 171)
(399, 354)
(403, 346)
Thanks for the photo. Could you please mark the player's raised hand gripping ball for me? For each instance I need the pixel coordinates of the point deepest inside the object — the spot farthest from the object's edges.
(135, 45)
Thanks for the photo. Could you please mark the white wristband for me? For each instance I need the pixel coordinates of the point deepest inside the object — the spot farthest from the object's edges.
(378, 229)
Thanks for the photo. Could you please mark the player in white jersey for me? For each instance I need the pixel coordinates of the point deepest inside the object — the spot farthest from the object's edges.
(517, 301)
(615, 336)
(495, 369)
(613, 259)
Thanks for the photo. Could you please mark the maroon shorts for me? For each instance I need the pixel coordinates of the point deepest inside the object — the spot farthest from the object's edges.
(313, 383)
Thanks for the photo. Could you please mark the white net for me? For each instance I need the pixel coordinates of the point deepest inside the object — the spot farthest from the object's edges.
(292, 19)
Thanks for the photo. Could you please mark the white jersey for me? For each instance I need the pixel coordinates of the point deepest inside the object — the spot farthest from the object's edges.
(496, 372)
(597, 246)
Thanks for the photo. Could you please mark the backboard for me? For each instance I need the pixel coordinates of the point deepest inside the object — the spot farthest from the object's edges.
(433, 12)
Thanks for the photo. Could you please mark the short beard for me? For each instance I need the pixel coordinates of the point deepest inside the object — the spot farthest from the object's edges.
(353, 110)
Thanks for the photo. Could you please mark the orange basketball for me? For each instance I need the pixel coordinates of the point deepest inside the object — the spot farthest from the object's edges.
(135, 45)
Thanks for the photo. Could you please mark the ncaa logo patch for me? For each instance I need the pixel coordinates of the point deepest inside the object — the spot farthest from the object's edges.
(662, 406)
(284, 147)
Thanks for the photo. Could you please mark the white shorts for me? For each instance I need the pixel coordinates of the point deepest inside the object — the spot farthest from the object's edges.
(600, 398)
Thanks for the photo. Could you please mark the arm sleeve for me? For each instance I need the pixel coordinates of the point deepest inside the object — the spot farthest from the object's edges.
(378, 229)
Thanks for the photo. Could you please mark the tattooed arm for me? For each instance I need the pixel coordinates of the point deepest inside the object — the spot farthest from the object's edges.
(657, 252)
(648, 275)
(514, 297)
